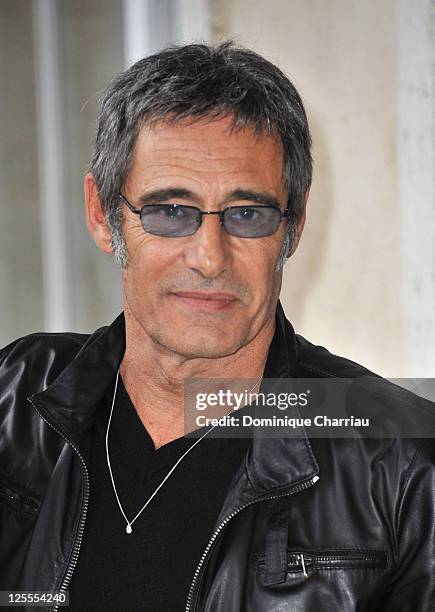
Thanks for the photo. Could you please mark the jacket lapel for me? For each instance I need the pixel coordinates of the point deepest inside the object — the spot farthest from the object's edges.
(71, 400)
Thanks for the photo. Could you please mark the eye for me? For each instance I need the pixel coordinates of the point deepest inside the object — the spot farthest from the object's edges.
(245, 215)
(169, 211)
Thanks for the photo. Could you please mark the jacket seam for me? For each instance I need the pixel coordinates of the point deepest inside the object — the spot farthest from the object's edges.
(247, 471)
(398, 520)
(310, 452)
(341, 379)
(59, 335)
(291, 549)
(7, 481)
(319, 371)
(405, 484)
(68, 335)
(19, 512)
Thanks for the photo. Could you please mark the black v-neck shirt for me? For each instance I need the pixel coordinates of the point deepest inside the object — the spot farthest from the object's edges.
(152, 568)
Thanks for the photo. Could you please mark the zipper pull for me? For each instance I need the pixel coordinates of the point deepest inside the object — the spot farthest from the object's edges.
(303, 565)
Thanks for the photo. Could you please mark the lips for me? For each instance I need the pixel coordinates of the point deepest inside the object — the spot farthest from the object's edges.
(206, 300)
(206, 295)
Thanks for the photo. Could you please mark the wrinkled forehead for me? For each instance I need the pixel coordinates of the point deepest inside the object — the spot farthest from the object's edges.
(212, 148)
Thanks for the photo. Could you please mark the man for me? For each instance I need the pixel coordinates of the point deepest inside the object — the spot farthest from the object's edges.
(198, 183)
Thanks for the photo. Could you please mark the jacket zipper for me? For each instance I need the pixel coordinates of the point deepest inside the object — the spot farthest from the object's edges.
(78, 539)
(340, 559)
(190, 599)
(301, 561)
(23, 503)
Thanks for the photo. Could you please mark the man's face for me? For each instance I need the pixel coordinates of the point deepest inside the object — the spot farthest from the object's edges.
(209, 294)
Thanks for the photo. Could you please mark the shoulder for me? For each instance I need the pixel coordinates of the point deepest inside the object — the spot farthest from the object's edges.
(401, 424)
(364, 388)
(35, 360)
(319, 361)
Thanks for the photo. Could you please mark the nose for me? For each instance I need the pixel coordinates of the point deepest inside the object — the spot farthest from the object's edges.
(207, 250)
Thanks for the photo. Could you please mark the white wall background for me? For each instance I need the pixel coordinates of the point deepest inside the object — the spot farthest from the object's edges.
(363, 280)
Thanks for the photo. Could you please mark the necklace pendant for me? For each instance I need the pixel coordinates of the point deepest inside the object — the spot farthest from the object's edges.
(128, 528)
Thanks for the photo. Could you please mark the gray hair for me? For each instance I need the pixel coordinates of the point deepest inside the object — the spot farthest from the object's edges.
(195, 81)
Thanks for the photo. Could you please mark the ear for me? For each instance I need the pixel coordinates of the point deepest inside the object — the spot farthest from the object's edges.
(95, 216)
(300, 225)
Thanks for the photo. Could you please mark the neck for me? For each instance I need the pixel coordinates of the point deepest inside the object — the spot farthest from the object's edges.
(155, 377)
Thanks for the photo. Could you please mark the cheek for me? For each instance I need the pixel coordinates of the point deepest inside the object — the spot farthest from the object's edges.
(261, 254)
(147, 265)
(257, 267)
(148, 254)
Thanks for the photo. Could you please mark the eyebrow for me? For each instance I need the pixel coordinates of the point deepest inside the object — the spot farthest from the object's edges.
(171, 193)
(253, 196)
(159, 195)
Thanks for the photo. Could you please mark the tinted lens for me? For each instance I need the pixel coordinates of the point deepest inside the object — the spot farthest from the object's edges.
(172, 221)
(251, 221)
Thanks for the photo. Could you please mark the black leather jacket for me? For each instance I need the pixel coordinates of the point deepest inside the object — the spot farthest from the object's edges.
(365, 528)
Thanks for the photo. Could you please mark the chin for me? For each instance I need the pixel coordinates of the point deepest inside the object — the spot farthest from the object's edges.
(201, 347)
(204, 352)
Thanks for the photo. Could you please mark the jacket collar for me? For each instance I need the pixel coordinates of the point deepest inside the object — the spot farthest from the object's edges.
(70, 402)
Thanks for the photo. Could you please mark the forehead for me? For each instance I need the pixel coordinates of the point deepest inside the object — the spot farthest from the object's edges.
(207, 151)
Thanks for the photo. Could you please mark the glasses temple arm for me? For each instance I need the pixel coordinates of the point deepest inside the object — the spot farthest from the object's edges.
(130, 206)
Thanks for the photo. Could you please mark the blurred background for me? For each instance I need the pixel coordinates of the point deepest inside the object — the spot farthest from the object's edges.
(362, 282)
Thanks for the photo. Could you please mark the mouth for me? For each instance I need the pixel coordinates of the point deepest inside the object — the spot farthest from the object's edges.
(205, 300)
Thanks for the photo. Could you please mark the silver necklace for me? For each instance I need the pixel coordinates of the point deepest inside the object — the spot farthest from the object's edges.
(128, 528)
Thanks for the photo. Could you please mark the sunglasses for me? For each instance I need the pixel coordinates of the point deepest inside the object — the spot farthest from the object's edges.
(178, 220)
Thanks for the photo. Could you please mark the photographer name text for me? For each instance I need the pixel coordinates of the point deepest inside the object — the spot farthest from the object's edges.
(246, 420)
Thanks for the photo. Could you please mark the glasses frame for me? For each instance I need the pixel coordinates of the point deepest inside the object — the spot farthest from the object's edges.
(138, 211)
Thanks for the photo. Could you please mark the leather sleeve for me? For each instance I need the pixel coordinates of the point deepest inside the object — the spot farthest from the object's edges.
(413, 586)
